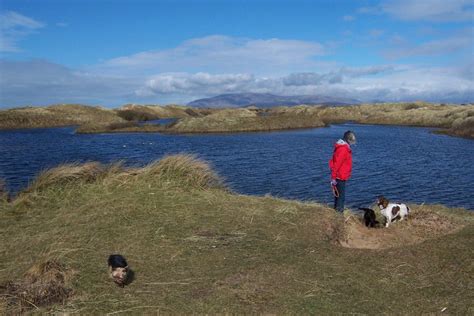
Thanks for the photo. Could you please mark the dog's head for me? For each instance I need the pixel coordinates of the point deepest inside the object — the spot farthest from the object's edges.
(382, 202)
(119, 275)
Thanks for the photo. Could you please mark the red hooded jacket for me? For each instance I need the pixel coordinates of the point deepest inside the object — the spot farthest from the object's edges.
(341, 161)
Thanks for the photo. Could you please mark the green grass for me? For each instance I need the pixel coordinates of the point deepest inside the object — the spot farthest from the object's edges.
(196, 247)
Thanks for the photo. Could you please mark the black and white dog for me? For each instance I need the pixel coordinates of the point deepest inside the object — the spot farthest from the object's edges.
(118, 269)
(391, 211)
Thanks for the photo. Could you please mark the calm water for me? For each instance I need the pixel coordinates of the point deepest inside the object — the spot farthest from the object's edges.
(402, 163)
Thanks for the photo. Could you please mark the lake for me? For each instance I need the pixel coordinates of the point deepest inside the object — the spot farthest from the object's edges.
(403, 163)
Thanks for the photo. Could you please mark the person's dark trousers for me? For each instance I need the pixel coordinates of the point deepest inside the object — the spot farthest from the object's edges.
(339, 201)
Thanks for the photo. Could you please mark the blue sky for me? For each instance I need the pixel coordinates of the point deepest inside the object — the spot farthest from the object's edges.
(115, 52)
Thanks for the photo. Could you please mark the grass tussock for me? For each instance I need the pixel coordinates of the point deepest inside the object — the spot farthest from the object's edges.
(43, 285)
(55, 115)
(67, 173)
(197, 248)
(186, 169)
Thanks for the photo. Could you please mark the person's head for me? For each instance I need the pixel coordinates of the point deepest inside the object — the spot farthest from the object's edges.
(349, 137)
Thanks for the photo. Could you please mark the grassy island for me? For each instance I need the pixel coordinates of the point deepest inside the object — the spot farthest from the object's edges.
(454, 120)
(196, 247)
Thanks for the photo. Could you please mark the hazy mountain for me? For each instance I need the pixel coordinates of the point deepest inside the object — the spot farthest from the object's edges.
(264, 100)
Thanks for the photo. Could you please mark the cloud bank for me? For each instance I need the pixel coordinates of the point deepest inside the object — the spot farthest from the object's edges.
(47, 83)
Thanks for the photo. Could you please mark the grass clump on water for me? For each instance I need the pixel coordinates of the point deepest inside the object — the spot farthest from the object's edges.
(196, 247)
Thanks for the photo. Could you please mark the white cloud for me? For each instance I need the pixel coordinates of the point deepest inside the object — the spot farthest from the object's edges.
(13, 28)
(222, 54)
(39, 82)
(183, 83)
(214, 65)
(386, 82)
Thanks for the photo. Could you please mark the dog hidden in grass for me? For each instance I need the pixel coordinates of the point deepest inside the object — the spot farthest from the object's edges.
(369, 217)
(392, 211)
(118, 269)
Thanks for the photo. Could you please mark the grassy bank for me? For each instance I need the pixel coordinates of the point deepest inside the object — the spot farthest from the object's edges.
(56, 115)
(196, 247)
(455, 120)
(451, 119)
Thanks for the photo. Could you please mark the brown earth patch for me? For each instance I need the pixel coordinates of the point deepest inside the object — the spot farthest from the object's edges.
(422, 224)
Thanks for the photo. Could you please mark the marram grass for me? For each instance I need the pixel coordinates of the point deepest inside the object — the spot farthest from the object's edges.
(196, 247)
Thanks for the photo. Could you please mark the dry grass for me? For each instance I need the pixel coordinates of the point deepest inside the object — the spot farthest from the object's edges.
(456, 120)
(187, 169)
(66, 173)
(43, 285)
(244, 120)
(463, 127)
(412, 114)
(196, 248)
(55, 115)
(135, 112)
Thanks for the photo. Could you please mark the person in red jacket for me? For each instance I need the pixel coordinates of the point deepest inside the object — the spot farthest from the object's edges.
(341, 168)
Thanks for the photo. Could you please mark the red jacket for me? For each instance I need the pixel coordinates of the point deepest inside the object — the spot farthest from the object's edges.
(341, 161)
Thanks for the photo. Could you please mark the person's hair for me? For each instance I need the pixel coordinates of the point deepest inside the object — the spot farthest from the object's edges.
(349, 137)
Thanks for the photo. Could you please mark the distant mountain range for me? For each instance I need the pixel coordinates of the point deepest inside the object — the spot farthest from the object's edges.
(265, 100)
